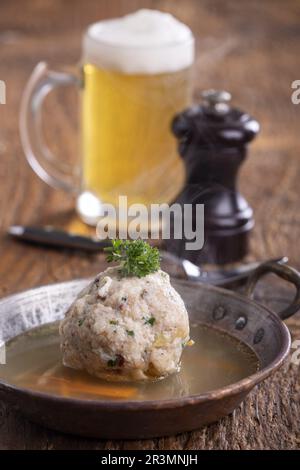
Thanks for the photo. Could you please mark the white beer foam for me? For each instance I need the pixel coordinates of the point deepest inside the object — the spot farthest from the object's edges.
(144, 42)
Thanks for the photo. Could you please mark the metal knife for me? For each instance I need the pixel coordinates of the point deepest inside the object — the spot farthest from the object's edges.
(56, 238)
(176, 266)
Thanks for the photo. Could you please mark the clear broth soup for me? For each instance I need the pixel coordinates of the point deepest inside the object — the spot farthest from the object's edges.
(33, 361)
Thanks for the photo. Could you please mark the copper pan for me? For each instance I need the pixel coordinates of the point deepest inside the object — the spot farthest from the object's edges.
(236, 314)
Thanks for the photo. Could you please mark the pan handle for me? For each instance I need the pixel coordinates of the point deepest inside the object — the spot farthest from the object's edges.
(285, 272)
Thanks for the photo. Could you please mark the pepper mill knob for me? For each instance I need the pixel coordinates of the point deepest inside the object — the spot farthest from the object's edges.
(217, 101)
(212, 140)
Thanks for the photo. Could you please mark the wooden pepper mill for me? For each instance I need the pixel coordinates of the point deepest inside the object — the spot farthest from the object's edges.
(213, 139)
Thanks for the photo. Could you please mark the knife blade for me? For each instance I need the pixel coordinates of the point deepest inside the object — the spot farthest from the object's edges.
(51, 236)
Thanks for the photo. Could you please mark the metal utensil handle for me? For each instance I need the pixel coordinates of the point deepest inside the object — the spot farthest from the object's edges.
(285, 272)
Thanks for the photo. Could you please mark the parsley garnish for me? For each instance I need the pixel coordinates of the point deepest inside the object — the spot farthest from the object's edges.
(130, 332)
(113, 322)
(112, 362)
(80, 322)
(150, 321)
(136, 257)
(118, 361)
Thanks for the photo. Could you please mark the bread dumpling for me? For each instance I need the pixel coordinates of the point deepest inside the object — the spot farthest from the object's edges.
(131, 328)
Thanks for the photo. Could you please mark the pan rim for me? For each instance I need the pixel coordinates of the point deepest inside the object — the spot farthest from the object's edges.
(243, 385)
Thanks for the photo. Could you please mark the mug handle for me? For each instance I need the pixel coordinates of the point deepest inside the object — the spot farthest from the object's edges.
(285, 272)
(38, 155)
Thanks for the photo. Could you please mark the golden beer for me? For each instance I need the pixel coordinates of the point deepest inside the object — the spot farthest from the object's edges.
(128, 147)
(135, 76)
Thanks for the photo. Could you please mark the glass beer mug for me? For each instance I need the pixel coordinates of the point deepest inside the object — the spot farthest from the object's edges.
(135, 76)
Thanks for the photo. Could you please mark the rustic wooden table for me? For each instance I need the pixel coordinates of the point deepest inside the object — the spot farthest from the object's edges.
(248, 48)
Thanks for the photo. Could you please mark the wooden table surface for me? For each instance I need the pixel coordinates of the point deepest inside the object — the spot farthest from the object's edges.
(250, 48)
